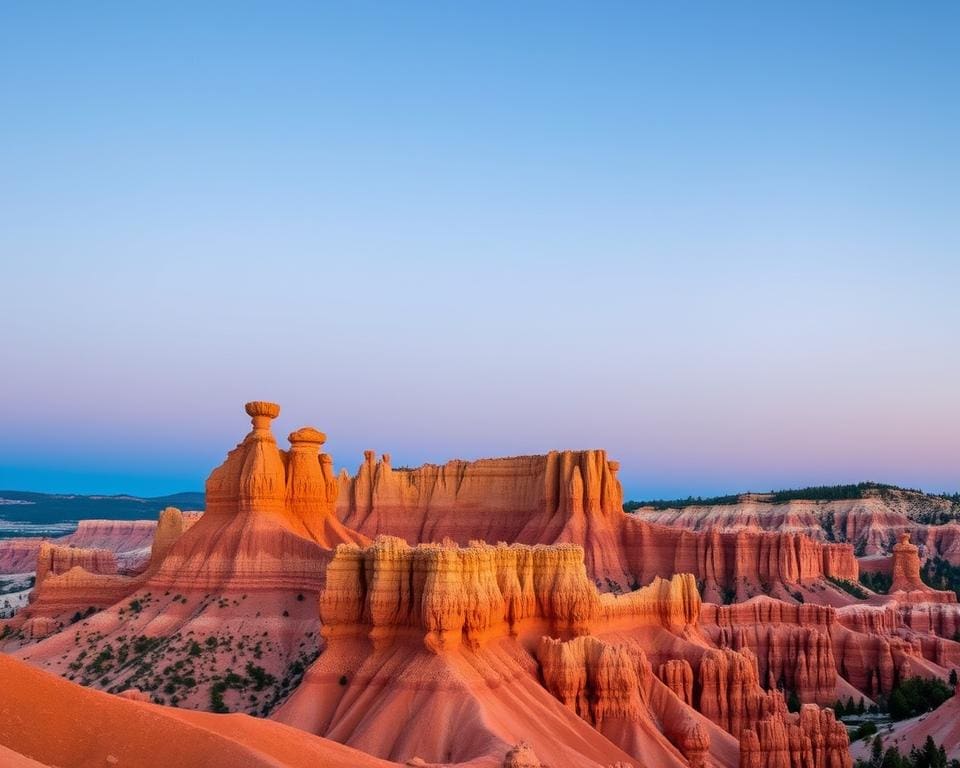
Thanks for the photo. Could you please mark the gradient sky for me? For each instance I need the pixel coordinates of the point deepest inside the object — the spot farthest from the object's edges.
(718, 239)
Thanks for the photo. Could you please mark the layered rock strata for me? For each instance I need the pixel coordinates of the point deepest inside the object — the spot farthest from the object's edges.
(575, 497)
(469, 594)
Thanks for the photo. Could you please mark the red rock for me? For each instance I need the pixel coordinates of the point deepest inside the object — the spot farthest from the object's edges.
(575, 497)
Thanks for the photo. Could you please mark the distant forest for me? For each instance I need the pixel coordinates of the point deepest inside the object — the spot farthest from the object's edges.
(812, 493)
(49, 508)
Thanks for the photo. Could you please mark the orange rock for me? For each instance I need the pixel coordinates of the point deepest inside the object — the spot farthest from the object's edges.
(792, 643)
(575, 497)
(296, 489)
(53, 559)
(521, 756)
(906, 566)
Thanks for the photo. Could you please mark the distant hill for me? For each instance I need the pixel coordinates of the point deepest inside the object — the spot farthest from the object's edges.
(47, 508)
(812, 493)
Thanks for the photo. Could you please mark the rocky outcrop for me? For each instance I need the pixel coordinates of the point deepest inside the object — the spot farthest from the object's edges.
(269, 523)
(792, 644)
(575, 497)
(737, 565)
(53, 559)
(906, 566)
(453, 594)
(871, 524)
(521, 756)
(812, 737)
(295, 489)
(560, 497)
(612, 686)
(170, 526)
(435, 637)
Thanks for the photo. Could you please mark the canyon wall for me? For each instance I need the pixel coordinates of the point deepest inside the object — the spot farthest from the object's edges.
(872, 524)
(455, 594)
(128, 539)
(575, 497)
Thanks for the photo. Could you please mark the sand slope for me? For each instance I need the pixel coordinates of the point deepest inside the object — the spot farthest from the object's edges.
(46, 719)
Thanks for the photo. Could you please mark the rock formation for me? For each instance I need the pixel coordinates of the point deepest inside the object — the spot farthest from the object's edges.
(613, 688)
(296, 489)
(455, 625)
(813, 737)
(129, 540)
(575, 497)
(872, 524)
(269, 522)
(906, 566)
(497, 618)
(453, 594)
(791, 644)
(53, 559)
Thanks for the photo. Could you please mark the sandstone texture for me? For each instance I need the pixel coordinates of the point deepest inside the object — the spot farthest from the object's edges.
(872, 524)
(575, 497)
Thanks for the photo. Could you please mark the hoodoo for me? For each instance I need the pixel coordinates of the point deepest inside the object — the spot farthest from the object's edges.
(906, 566)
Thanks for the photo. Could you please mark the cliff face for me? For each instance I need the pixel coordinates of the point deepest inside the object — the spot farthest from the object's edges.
(575, 497)
(568, 496)
(19, 555)
(53, 559)
(612, 687)
(791, 644)
(128, 539)
(470, 594)
(813, 737)
(445, 633)
(872, 524)
(741, 564)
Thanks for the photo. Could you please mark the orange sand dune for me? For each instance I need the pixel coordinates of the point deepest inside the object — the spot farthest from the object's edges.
(57, 723)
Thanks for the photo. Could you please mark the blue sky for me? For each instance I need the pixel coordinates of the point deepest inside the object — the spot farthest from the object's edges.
(718, 240)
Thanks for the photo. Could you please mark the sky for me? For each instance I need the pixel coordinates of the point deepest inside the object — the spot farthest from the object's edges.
(719, 240)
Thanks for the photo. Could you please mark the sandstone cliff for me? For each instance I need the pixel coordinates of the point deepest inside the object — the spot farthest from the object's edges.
(129, 540)
(453, 594)
(871, 524)
(575, 497)
(613, 687)
(444, 633)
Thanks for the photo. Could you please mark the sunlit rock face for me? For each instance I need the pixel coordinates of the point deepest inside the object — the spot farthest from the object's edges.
(575, 497)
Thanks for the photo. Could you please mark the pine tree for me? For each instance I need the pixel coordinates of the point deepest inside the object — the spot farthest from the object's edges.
(876, 752)
(892, 759)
